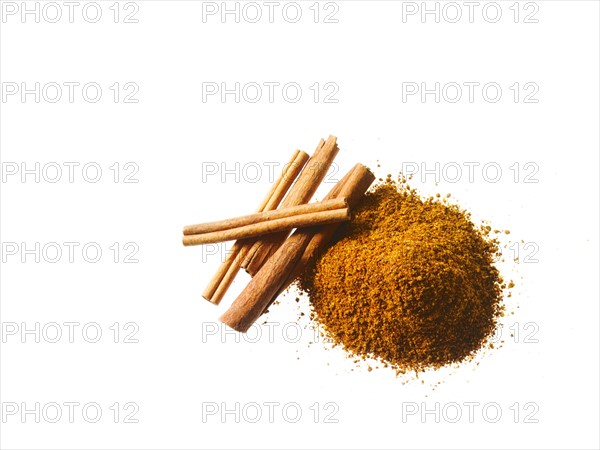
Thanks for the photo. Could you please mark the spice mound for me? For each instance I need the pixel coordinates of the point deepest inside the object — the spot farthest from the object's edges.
(410, 281)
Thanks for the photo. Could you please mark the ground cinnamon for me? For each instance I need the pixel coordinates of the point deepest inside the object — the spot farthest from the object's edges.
(410, 281)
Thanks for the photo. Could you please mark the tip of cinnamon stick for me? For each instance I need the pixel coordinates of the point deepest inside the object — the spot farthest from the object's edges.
(209, 300)
(234, 323)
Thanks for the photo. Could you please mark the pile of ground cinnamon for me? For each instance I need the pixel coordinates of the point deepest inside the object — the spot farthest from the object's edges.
(410, 281)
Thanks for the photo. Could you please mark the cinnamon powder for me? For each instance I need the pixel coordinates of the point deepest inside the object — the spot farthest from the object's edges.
(410, 281)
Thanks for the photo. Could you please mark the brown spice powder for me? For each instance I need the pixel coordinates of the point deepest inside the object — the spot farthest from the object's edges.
(410, 282)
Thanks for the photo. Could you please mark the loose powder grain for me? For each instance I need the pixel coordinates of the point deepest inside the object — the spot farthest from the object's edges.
(409, 281)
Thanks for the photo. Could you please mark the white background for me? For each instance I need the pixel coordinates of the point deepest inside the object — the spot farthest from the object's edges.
(177, 370)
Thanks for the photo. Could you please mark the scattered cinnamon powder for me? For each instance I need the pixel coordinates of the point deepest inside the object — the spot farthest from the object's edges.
(410, 281)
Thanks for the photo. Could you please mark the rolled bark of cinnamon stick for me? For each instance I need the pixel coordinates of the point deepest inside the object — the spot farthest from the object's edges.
(251, 219)
(222, 279)
(307, 184)
(286, 223)
(257, 295)
(285, 181)
(235, 257)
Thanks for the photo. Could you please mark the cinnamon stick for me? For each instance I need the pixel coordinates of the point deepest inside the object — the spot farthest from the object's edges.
(222, 279)
(288, 222)
(251, 219)
(253, 300)
(232, 266)
(309, 180)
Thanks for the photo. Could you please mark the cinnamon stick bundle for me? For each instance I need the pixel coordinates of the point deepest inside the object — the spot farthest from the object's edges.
(309, 180)
(222, 279)
(267, 282)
